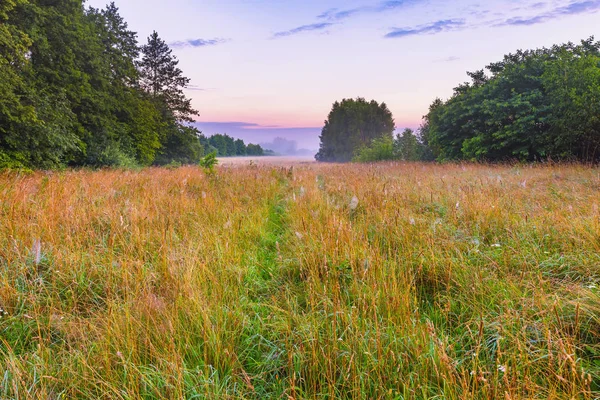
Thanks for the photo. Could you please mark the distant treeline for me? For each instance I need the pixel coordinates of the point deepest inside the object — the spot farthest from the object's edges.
(77, 89)
(226, 146)
(533, 105)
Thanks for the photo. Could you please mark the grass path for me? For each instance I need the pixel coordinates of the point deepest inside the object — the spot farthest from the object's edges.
(390, 281)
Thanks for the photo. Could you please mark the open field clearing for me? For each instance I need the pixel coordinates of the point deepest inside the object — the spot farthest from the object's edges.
(269, 160)
(387, 281)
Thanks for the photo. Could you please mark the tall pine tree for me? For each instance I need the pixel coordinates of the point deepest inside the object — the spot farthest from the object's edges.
(164, 82)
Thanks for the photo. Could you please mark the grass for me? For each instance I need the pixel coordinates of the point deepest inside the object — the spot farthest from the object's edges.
(453, 282)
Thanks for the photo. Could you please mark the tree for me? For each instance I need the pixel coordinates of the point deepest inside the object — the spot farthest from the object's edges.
(352, 125)
(163, 81)
(380, 149)
(36, 122)
(573, 84)
(407, 146)
(71, 92)
(219, 142)
(534, 105)
(161, 77)
(240, 148)
(255, 150)
(183, 146)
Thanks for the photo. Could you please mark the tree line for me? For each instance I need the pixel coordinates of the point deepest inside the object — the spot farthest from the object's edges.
(77, 89)
(226, 146)
(533, 105)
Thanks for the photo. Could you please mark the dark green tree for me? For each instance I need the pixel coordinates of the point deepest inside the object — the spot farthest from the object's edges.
(534, 105)
(407, 146)
(351, 125)
(255, 150)
(161, 77)
(163, 81)
(219, 142)
(36, 121)
(240, 148)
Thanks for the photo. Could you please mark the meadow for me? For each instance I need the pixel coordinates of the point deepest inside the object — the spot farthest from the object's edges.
(317, 281)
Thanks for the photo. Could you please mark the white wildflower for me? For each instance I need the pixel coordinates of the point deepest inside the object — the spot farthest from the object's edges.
(37, 251)
(412, 221)
(354, 203)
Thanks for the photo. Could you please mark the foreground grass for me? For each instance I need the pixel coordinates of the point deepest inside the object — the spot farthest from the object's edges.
(388, 281)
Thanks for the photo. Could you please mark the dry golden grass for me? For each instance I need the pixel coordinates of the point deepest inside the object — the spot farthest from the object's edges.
(387, 281)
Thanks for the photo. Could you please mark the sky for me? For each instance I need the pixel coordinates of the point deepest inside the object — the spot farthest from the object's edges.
(262, 69)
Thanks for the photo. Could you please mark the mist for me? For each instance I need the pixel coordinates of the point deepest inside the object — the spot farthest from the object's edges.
(286, 147)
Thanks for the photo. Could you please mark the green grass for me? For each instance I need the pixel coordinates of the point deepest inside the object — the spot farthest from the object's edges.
(454, 282)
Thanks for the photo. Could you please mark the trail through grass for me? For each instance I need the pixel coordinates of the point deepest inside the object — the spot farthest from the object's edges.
(386, 281)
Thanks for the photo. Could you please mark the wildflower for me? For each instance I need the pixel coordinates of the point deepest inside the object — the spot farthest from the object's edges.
(412, 221)
(354, 203)
(299, 235)
(37, 251)
(502, 368)
(524, 183)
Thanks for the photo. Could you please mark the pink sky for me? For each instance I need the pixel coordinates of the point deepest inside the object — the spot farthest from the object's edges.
(283, 63)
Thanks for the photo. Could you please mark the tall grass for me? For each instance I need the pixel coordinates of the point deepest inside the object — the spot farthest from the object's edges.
(389, 281)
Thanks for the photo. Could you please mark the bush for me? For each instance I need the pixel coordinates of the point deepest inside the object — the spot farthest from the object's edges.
(209, 161)
(381, 149)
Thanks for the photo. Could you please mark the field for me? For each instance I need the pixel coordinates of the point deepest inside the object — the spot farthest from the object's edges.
(387, 281)
(269, 160)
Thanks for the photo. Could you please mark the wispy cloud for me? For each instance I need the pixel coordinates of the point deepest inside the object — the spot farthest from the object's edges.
(447, 59)
(304, 28)
(196, 88)
(336, 14)
(435, 27)
(575, 8)
(197, 43)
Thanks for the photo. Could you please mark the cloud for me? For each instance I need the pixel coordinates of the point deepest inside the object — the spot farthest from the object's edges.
(447, 59)
(336, 14)
(435, 27)
(575, 8)
(537, 5)
(304, 28)
(197, 43)
(196, 88)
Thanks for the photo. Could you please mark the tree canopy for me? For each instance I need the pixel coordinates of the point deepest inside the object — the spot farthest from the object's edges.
(73, 90)
(351, 125)
(533, 105)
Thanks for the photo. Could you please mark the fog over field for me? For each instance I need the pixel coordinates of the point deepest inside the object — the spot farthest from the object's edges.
(271, 160)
